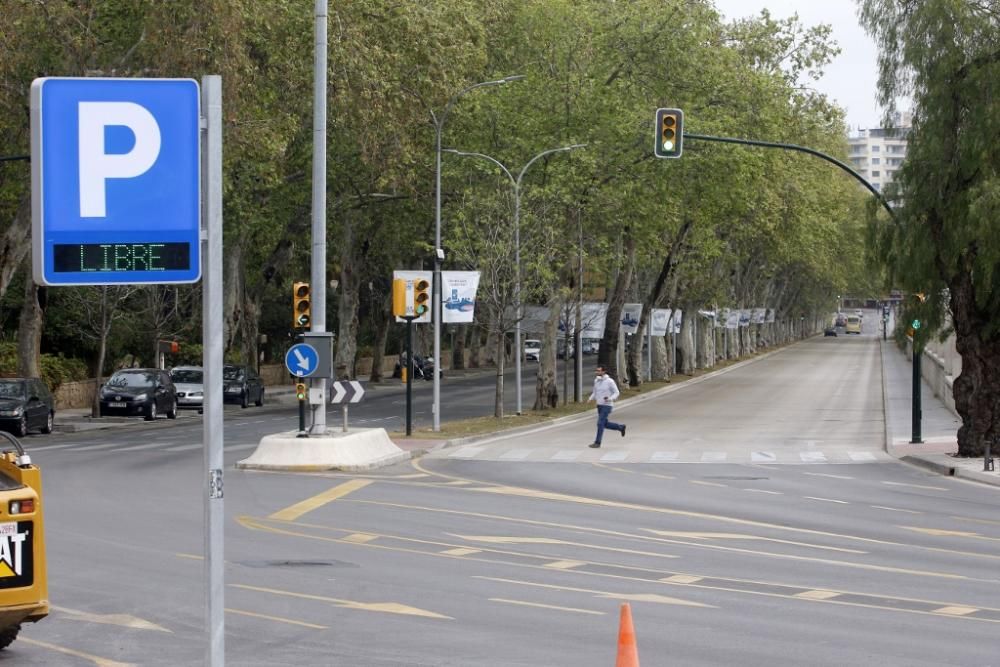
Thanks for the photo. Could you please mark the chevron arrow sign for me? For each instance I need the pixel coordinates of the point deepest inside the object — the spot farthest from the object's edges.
(346, 391)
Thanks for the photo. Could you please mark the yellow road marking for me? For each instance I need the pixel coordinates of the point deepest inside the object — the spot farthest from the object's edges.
(743, 536)
(817, 595)
(461, 551)
(564, 564)
(191, 556)
(279, 619)
(942, 532)
(309, 504)
(360, 538)
(663, 599)
(956, 611)
(387, 607)
(124, 620)
(681, 579)
(100, 662)
(504, 539)
(972, 520)
(548, 606)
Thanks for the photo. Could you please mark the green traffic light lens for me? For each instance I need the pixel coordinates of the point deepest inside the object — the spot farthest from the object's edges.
(668, 145)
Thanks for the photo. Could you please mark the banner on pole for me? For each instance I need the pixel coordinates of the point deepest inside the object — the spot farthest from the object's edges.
(631, 312)
(660, 321)
(458, 296)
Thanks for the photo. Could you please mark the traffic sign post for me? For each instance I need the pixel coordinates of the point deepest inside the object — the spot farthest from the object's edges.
(115, 181)
(346, 392)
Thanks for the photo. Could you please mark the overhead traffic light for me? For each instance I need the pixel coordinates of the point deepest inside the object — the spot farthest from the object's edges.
(301, 305)
(421, 296)
(669, 133)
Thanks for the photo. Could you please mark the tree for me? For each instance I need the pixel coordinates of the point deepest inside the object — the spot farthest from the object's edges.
(943, 240)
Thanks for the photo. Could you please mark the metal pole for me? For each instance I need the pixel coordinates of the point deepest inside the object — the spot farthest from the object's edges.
(517, 292)
(436, 286)
(649, 344)
(409, 374)
(212, 425)
(916, 413)
(578, 338)
(318, 266)
(344, 408)
(302, 419)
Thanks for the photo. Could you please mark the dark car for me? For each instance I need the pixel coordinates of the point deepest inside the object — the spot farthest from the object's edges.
(830, 331)
(139, 391)
(25, 404)
(242, 385)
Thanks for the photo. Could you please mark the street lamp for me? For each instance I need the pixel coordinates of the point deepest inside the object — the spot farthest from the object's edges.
(516, 182)
(438, 250)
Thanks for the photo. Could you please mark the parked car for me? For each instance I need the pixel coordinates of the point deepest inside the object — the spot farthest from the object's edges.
(25, 404)
(189, 384)
(830, 331)
(242, 385)
(139, 391)
(561, 345)
(591, 345)
(532, 349)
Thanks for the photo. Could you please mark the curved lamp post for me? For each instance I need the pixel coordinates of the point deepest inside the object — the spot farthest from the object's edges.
(516, 182)
(438, 250)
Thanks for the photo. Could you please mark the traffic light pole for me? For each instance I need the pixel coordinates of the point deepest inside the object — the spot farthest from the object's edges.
(916, 412)
(409, 374)
(302, 419)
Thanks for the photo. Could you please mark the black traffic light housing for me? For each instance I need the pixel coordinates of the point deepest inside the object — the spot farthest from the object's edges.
(669, 141)
(421, 296)
(301, 305)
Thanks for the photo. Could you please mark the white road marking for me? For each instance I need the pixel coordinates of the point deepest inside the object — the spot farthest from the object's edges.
(619, 455)
(895, 509)
(566, 455)
(515, 455)
(713, 457)
(827, 500)
(861, 456)
(773, 493)
(813, 457)
(466, 452)
(917, 486)
(152, 445)
(660, 457)
(762, 457)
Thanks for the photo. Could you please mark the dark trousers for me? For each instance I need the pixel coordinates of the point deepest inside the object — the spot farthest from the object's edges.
(603, 412)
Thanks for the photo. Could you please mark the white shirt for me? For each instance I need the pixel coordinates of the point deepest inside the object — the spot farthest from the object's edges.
(605, 390)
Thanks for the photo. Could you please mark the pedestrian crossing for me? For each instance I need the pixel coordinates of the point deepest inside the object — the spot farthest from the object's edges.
(171, 446)
(644, 454)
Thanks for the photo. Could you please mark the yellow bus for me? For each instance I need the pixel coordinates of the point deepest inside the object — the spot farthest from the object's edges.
(23, 578)
(853, 324)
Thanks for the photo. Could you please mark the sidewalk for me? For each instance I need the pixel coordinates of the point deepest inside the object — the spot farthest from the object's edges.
(938, 425)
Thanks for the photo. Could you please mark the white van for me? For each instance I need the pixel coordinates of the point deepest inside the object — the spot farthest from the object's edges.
(853, 325)
(532, 349)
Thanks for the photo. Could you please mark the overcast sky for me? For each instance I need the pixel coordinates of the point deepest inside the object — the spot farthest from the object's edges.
(850, 80)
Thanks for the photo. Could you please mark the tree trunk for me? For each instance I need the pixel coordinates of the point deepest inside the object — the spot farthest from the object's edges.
(102, 351)
(232, 288)
(607, 354)
(383, 320)
(15, 243)
(976, 392)
(347, 322)
(661, 359)
(475, 346)
(498, 398)
(685, 342)
(547, 379)
(458, 351)
(29, 332)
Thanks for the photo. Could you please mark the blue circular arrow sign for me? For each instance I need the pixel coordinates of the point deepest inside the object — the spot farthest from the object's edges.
(302, 360)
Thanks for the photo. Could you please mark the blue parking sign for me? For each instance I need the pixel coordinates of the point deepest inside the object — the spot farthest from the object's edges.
(115, 176)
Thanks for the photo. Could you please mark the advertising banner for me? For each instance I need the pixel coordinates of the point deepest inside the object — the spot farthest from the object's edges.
(745, 317)
(458, 296)
(630, 317)
(733, 319)
(660, 321)
(758, 316)
(770, 316)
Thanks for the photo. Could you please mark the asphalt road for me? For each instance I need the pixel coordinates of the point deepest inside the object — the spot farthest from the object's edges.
(477, 558)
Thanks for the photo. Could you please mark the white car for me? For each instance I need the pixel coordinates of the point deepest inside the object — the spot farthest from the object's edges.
(188, 380)
(532, 349)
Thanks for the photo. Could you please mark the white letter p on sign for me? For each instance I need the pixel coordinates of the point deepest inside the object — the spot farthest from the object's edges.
(96, 165)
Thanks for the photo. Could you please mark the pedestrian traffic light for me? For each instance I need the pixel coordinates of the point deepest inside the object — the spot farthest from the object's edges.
(300, 391)
(301, 306)
(399, 297)
(669, 133)
(421, 296)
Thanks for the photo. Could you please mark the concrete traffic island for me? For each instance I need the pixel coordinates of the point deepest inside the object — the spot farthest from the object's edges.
(354, 450)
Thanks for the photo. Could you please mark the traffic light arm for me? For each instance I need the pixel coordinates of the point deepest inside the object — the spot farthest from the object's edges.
(801, 149)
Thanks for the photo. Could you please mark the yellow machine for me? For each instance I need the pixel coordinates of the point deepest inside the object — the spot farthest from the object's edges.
(23, 580)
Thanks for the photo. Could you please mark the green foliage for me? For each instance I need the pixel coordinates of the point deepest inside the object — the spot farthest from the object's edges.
(56, 369)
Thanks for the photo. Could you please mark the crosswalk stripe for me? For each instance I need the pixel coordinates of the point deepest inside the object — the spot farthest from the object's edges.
(861, 456)
(466, 452)
(713, 457)
(515, 455)
(566, 455)
(763, 457)
(660, 457)
(813, 457)
(619, 455)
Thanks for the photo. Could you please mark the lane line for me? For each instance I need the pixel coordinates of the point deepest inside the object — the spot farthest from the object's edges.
(827, 500)
(279, 619)
(547, 606)
(295, 511)
(100, 662)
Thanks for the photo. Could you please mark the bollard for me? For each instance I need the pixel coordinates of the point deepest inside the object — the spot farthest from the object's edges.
(987, 458)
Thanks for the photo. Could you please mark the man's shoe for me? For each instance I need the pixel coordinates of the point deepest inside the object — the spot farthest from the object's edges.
(623, 430)
(594, 445)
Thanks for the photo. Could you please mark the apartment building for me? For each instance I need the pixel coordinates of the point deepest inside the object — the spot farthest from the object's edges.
(878, 153)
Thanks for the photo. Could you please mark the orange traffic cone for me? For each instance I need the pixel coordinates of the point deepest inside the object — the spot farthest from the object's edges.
(628, 652)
